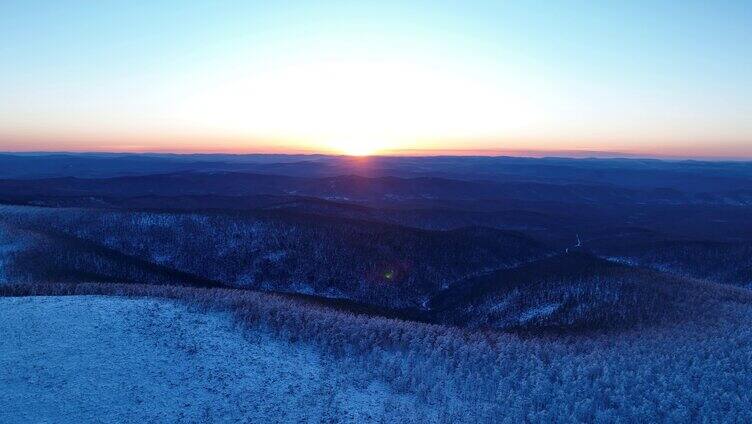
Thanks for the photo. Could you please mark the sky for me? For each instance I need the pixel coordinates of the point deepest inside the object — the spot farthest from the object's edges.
(652, 78)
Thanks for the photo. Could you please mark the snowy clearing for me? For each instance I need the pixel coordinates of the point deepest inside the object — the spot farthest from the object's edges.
(103, 359)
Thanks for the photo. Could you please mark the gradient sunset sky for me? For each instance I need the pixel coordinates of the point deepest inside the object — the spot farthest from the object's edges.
(665, 78)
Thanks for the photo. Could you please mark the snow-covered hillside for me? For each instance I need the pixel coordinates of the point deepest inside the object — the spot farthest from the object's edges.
(83, 358)
(108, 359)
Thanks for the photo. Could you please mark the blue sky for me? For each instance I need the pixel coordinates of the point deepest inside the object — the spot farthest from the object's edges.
(653, 77)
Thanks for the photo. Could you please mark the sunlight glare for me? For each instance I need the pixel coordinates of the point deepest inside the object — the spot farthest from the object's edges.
(357, 108)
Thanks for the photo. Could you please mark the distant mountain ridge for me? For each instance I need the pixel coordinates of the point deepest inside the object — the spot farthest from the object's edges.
(359, 188)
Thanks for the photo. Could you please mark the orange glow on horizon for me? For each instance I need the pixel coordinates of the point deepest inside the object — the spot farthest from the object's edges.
(363, 147)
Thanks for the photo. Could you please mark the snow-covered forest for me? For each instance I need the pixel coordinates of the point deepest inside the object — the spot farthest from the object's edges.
(354, 368)
(464, 295)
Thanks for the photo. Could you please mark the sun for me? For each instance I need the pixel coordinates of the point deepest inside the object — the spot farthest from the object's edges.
(356, 147)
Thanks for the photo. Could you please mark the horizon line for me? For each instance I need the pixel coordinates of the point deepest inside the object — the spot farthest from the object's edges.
(417, 153)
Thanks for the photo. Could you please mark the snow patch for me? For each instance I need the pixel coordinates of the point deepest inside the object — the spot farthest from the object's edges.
(540, 311)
